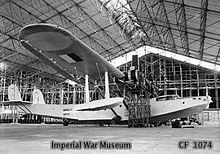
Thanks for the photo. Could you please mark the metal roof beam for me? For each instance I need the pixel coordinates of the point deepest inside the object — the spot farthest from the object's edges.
(11, 56)
(78, 32)
(12, 39)
(139, 23)
(159, 14)
(18, 66)
(190, 6)
(181, 22)
(27, 11)
(91, 40)
(149, 27)
(125, 34)
(204, 8)
(217, 56)
(213, 38)
(84, 17)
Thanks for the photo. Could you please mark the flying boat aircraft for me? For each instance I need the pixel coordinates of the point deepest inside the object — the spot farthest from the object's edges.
(72, 58)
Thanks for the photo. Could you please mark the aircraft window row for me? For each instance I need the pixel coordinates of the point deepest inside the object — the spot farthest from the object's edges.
(167, 98)
(198, 98)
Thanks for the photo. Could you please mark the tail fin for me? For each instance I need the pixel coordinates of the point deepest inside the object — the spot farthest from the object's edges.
(38, 97)
(13, 93)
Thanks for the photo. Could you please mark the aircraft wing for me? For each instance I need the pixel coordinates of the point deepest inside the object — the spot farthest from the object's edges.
(15, 102)
(67, 54)
(102, 104)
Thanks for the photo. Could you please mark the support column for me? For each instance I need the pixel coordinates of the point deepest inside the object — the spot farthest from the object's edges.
(216, 92)
(3, 91)
(106, 86)
(68, 94)
(87, 88)
(197, 77)
(74, 95)
(181, 81)
(61, 95)
(190, 80)
(165, 77)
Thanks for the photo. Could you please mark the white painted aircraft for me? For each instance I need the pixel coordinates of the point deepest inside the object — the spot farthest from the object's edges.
(163, 108)
(168, 107)
(94, 111)
(69, 56)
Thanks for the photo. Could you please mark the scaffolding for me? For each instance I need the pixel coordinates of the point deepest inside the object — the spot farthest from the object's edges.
(173, 77)
(55, 91)
(138, 108)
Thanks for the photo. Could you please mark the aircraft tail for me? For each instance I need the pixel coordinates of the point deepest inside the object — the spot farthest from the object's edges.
(38, 97)
(14, 93)
(14, 97)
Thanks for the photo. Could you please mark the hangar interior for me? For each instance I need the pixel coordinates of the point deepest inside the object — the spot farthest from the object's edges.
(115, 29)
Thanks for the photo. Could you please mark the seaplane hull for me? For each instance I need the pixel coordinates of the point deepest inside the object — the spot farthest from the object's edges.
(62, 51)
(160, 110)
(179, 114)
(174, 109)
(163, 110)
(86, 111)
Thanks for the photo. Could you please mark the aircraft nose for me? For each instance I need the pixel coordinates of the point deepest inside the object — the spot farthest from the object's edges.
(209, 99)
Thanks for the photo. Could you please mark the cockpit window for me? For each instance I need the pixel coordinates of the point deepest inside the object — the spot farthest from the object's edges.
(167, 97)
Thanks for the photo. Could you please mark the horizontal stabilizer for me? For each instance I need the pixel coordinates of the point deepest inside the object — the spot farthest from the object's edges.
(14, 97)
(100, 104)
(15, 102)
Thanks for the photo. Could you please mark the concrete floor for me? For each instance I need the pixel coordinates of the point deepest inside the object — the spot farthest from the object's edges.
(36, 139)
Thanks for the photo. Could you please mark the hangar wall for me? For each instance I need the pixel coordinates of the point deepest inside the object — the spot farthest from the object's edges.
(56, 90)
(174, 77)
